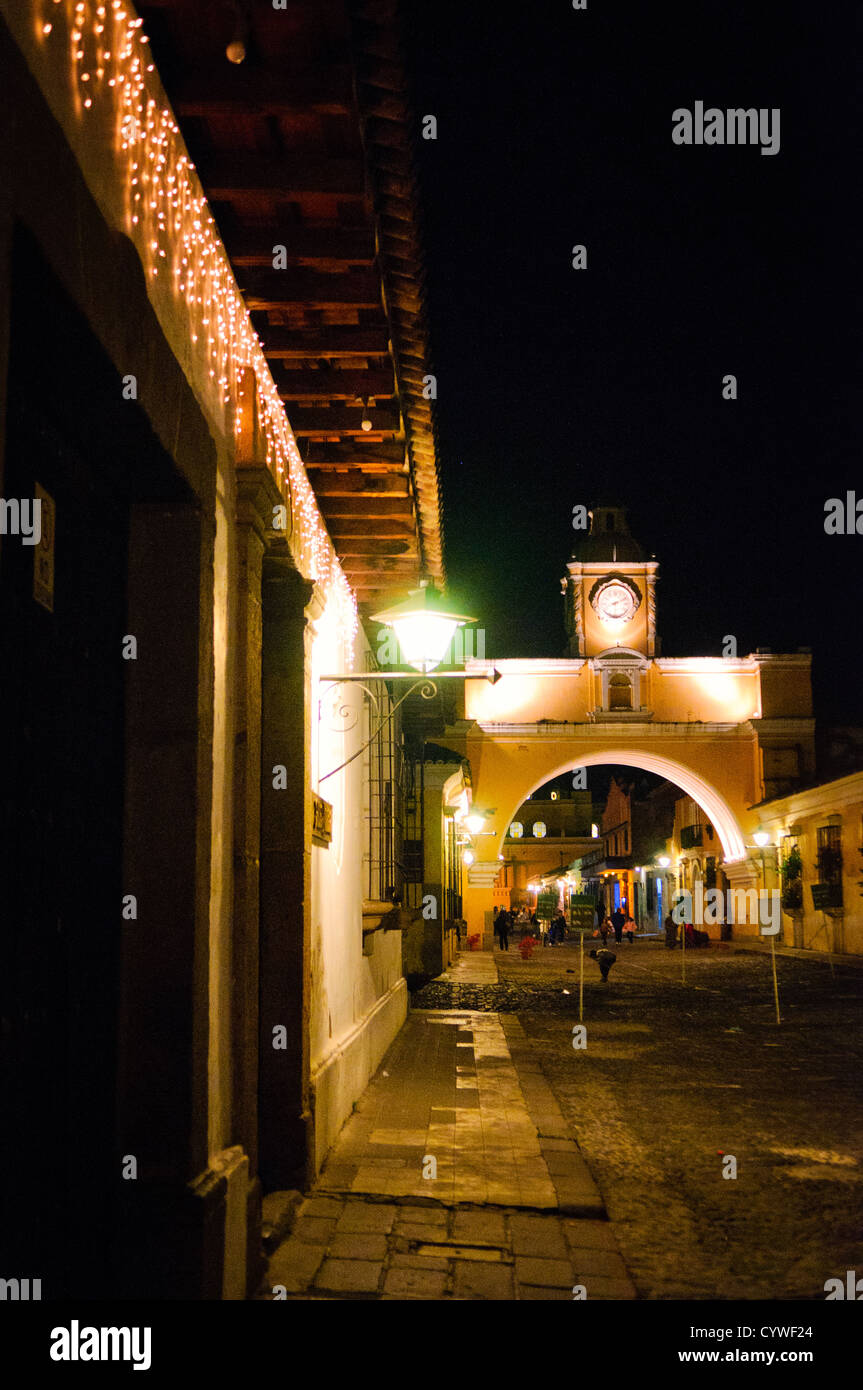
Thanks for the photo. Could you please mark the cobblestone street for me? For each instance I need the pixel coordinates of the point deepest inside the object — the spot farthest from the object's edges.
(675, 1077)
(602, 1168)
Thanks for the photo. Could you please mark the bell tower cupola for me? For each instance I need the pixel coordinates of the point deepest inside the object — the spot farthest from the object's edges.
(610, 588)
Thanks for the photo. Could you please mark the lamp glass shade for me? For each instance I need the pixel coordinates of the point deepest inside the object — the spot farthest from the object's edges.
(761, 838)
(424, 625)
(475, 823)
(423, 639)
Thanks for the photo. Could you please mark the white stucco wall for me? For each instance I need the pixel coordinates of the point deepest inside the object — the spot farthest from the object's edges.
(358, 1002)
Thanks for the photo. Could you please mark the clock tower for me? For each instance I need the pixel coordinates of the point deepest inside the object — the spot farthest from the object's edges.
(609, 590)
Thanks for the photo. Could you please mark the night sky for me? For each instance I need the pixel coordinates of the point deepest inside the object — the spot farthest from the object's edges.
(558, 387)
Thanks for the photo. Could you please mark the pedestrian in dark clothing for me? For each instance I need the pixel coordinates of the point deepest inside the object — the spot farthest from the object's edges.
(501, 926)
(605, 959)
(670, 932)
(618, 921)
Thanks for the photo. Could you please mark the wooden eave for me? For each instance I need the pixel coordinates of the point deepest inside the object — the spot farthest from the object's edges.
(309, 145)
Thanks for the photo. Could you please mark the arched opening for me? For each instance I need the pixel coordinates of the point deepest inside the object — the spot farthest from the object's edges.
(619, 692)
(715, 807)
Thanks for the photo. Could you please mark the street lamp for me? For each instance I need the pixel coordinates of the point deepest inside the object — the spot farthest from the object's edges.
(424, 625)
(663, 861)
(475, 822)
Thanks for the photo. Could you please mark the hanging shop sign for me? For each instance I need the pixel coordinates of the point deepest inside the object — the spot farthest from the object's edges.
(322, 821)
(582, 912)
(547, 905)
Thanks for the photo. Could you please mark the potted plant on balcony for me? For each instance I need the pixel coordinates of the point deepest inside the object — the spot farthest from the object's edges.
(792, 883)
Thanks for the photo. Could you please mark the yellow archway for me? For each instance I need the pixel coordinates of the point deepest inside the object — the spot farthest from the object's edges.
(713, 804)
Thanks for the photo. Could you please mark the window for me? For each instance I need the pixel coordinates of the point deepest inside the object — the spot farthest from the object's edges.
(413, 861)
(388, 775)
(830, 854)
(516, 830)
(619, 692)
(539, 829)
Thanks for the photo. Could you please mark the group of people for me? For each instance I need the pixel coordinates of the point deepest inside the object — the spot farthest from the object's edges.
(619, 922)
(550, 933)
(554, 932)
(690, 933)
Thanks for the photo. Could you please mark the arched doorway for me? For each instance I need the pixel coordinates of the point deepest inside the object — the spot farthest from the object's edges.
(506, 782)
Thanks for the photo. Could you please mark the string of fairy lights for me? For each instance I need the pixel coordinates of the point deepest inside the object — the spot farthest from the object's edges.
(170, 222)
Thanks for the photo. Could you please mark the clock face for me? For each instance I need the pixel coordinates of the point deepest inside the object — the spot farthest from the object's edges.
(615, 601)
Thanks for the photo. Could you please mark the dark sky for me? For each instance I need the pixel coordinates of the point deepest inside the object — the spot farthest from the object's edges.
(558, 386)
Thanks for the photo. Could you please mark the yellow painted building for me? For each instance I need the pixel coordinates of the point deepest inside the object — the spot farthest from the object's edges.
(824, 825)
(729, 731)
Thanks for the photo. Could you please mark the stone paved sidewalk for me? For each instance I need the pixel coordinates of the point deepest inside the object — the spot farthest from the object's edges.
(457, 1177)
(460, 1112)
(355, 1248)
(472, 968)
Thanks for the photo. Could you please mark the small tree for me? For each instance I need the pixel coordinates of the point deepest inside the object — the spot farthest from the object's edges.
(792, 881)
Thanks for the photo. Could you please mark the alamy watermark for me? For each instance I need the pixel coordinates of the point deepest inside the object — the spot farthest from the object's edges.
(467, 643)
(21, 517)
(734, 126)
(20, 1290)
(712, 907)
(77, 1343)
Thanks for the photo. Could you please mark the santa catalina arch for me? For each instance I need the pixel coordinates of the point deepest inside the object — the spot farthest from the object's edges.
(731, 731)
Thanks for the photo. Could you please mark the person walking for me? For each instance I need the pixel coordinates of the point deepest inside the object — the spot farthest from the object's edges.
(618, 921)
(605, 960)
(604, 926)
(630, 928)
(670, 932)
(501, 926)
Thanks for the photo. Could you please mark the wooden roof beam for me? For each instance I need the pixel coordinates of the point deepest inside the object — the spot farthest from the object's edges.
(351, 483)
(344, 529)
(288, 344)
(309, 289)
(303, 245)
(334, 385)
(364, 546)
(226, 177)
(357, 453)
(276, 90)
(360, 505)
(307, 421)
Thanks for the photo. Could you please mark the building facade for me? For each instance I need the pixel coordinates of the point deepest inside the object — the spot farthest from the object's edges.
(729, 731)
(815, 860)
(199, 972)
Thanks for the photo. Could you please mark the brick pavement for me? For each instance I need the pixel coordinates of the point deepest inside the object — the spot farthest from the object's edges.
(457, 1177)
(350, 1247)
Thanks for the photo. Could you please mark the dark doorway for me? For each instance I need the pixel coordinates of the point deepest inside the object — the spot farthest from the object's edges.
(61, 786)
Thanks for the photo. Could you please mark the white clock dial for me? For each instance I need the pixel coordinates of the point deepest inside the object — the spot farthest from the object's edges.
(615, 602)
